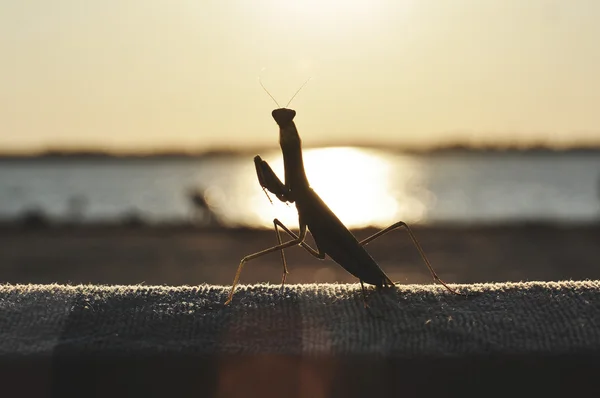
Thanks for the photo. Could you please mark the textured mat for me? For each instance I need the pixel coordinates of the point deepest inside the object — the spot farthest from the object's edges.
(71, 336)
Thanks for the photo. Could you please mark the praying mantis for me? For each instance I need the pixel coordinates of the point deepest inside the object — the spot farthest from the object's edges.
(331, 236)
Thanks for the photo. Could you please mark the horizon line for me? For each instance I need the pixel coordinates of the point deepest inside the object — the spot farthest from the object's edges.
(57, 152)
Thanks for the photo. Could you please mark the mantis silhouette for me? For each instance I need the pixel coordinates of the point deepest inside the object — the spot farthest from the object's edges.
(332, 238)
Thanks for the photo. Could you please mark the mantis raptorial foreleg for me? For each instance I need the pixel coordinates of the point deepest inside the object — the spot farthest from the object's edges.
(402, 224)
(269, 180)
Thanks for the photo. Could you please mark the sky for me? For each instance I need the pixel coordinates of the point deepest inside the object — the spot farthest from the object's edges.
(183, 75)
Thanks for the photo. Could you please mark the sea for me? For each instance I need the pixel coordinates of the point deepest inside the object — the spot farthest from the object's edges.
(364, 187)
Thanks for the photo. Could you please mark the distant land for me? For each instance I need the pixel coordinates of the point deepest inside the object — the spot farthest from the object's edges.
(94, 154)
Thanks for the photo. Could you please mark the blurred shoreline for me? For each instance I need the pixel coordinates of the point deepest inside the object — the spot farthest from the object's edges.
(457, 148)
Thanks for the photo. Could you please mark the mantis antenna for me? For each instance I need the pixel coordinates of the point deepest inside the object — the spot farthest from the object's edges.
(273, 98)
(267, 91)
(294, 96)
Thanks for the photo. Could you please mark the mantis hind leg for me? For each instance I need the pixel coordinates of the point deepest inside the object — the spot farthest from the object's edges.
(402, 224)
(364, 294)
(366, 304)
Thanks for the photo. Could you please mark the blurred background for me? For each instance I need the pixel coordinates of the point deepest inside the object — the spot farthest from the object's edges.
(127, 132)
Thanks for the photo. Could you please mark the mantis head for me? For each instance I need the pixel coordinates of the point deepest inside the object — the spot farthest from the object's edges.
(283, 116)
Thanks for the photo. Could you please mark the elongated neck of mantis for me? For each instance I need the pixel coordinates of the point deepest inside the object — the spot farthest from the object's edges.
(291, 146)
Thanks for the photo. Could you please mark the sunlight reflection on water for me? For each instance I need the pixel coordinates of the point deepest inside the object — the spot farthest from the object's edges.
(362, 187)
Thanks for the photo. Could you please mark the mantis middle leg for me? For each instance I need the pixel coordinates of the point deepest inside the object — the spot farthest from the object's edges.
(278, 224)
(298, 240)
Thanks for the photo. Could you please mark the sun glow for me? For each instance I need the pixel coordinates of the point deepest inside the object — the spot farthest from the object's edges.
(359, 186)
(329, 17)
(327, 8)
(353, 183)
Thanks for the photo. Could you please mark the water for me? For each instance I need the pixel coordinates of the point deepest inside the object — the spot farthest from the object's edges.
(364, 187)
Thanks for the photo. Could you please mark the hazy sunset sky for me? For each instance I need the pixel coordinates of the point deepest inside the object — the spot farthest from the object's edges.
(129, 75)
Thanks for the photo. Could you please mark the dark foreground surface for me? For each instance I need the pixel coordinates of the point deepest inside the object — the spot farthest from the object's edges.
(180, 255)
(526, 339)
